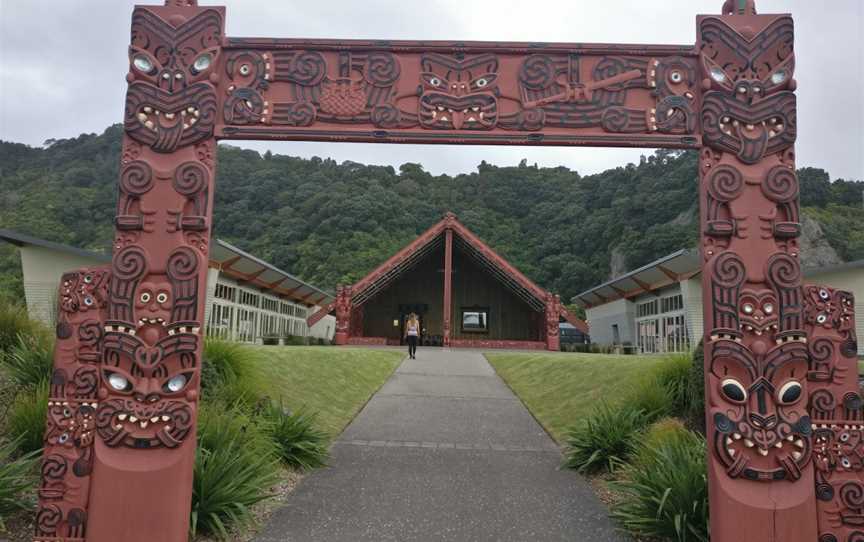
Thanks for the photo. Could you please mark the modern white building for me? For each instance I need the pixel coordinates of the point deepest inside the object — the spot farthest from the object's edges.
(248, 299)
(658, 307)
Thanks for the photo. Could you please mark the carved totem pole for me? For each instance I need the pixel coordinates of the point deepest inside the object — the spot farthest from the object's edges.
(759, 430)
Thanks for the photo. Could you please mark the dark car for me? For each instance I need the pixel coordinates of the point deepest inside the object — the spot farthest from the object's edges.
(571, 335)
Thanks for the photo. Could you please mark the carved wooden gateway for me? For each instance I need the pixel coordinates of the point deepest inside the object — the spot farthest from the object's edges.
(785, 424)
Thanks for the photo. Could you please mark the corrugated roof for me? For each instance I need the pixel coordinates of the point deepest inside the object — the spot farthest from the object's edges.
(657, 274)
(232, 261)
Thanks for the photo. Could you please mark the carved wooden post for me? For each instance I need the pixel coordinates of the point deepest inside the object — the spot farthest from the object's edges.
(67, 461)
(448, 283)
(343, 315)
(756, 359)
(836, 410)
(148, 395)
(553, 314)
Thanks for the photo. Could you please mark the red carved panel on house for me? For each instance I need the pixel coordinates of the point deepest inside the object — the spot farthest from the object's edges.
(489, 343)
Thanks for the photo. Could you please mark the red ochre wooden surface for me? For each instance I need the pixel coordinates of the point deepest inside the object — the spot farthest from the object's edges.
(783, 410)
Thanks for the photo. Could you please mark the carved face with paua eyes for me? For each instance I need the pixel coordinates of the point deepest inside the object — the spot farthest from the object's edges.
(170, 102)
(829, 308)
(149, 366)
(760, 416)
(459, 95)
(758, 312)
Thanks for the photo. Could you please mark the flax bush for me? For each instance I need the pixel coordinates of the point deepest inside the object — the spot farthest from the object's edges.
(664, 490)
(299, 443)
(26, 420)
(230, 372)
(17, 479)
(604, 439)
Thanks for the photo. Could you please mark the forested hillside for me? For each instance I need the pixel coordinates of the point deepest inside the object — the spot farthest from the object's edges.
(328, 222)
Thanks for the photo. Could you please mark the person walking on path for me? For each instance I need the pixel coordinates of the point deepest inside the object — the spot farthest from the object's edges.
(412, 334)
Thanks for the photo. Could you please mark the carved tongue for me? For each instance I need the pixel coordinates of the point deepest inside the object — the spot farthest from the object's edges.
(458, 119)
(754, 143)
(169, 138)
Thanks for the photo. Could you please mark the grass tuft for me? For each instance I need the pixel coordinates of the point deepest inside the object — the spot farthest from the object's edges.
(26, 419)
(603, 441)
(29, 361)
(17, 478)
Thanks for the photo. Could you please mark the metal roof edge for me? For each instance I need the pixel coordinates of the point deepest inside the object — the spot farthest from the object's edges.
(22, 239)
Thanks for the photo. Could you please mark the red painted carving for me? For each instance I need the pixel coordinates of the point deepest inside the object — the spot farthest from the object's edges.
(320, 314)
(121, 426)
(836, 411)
(343, 314)
(448, 277)
(759, 429)
(497, 344)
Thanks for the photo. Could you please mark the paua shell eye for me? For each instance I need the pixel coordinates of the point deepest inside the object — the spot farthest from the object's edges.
(145, 297)
(718, 75)
(768, 308)
(162, 297)
(844, 437)
(821, 318)
(846, 463)
(118, 382)
(676, 76)
(202, 62)
(733, 390)
(142, 64)
(176, 383)
(790, 392)
(245, 69)
(88, 279)
(748, 308)
(823, 293)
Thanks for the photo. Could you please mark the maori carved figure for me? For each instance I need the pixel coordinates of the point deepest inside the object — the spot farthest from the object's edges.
(458, 94)
(171, 101)
(67, 462)
(758, 367)
(343, 314)
(838, 417)
(750, 108)
(553, 313)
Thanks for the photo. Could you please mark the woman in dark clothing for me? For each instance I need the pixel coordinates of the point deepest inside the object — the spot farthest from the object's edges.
(412, 334)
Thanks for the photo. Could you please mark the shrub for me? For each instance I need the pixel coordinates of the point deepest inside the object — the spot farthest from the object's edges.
(649, 395)
(294, 340)
(235, 467)
(300, 444)
(29, 360)
(16, 479)
(696, 391)
(231, 372)
(664, 492)
(14, 321)
(604, 439)
(26, 422)
(673, 373)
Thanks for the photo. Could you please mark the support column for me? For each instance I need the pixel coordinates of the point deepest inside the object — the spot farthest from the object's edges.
(760, 441)
(448, 283)
(343, 315)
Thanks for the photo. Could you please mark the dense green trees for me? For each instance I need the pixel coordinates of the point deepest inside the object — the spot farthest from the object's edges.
(328, 222)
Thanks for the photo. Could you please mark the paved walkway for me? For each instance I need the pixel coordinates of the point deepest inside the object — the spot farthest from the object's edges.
(444, 451)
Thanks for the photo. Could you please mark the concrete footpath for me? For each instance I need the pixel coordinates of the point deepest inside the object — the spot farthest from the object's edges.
(444, 451)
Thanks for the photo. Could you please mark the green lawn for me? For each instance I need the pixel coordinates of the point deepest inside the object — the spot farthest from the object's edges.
(559, 389)
(334, 382)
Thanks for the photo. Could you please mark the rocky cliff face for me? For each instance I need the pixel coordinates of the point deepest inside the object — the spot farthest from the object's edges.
(815, 249)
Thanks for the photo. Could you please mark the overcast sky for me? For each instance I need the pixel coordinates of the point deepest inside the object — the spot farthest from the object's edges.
(63, 63)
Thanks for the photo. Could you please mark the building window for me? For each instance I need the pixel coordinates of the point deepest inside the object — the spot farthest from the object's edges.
(672, 303)
(646, 309)
(616, 335)
(475, 320)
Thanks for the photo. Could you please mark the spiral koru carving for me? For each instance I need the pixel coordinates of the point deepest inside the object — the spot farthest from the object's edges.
(823, 402)
(86, 382)
(725, 183)
(615, 119)
(852, 494)
(729, 271)
(191, 178)
(537, 72)
(531, 119)
(47, 519)
(129, 264)
(385, 116)
(182, 264)
(784, 271)
(822, 350)
(849, 348)
(824, 492)
(382, 69)
(54, 468)
(855, 536)
(828, 537)
(852, 401)
(308, 69)
(136, 178)
(781, 185)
